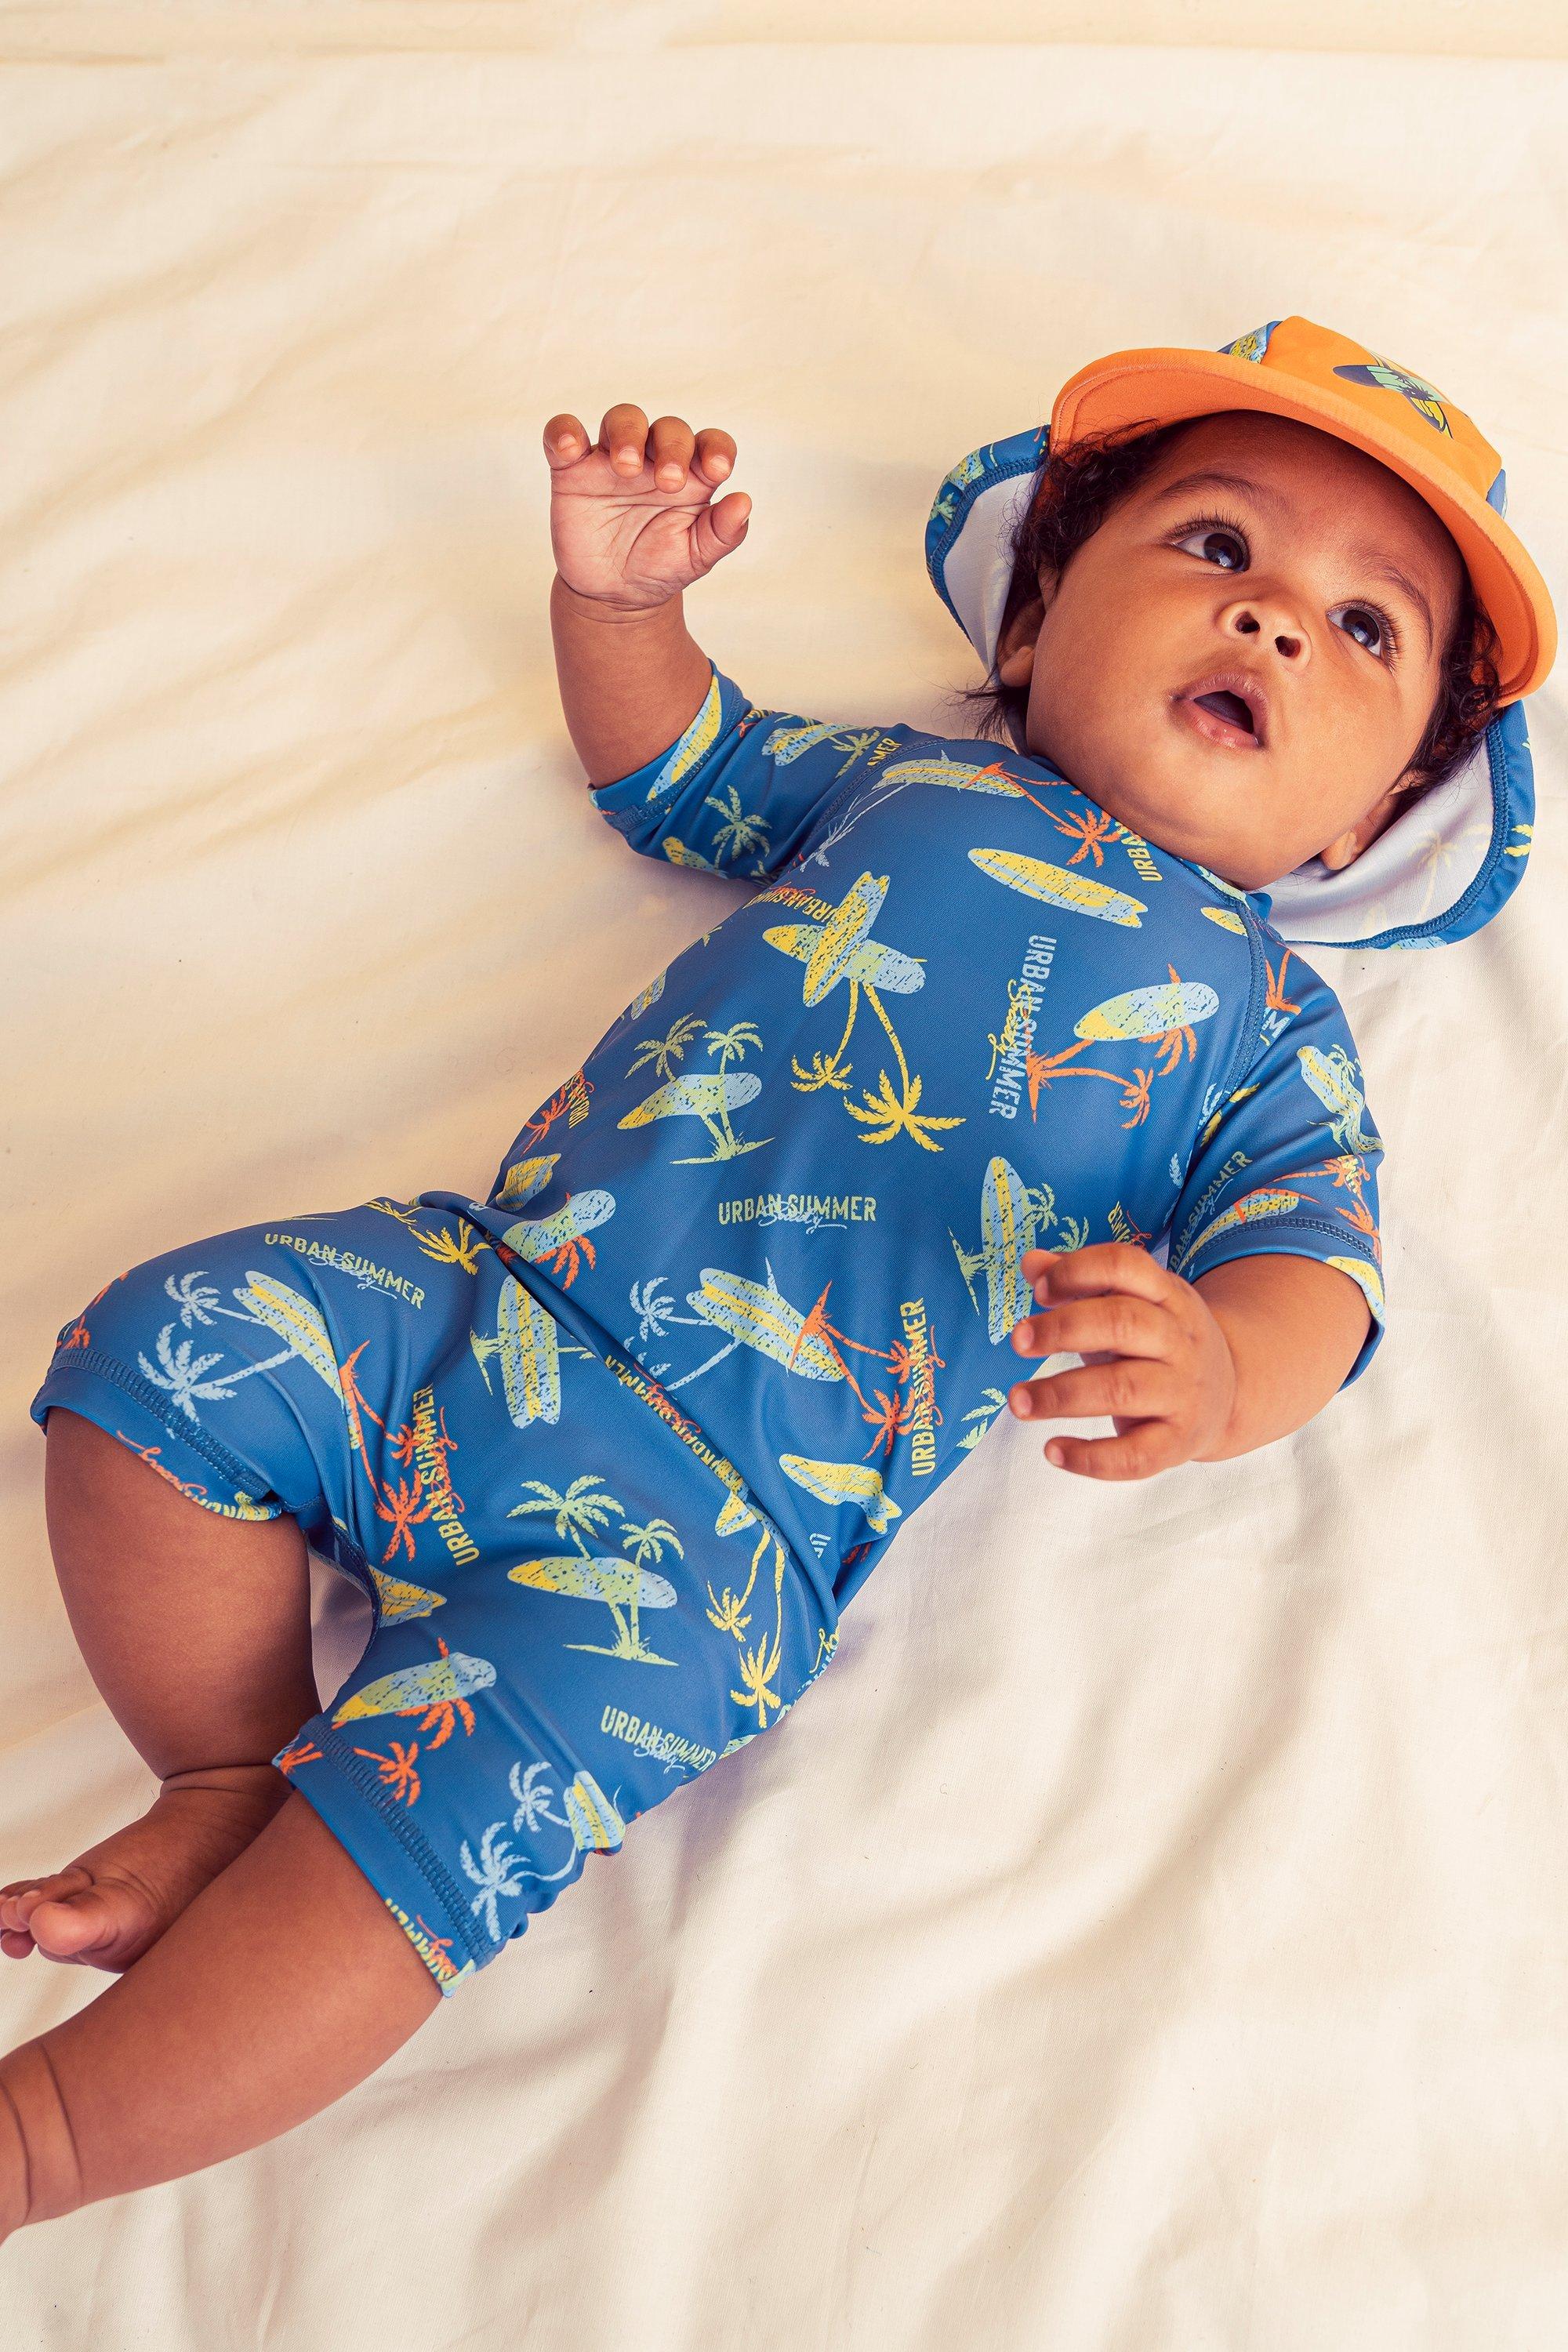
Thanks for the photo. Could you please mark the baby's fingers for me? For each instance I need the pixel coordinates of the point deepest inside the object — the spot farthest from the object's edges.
(624, 436)
(715, 454)
(1125, 1326)
(566, 441)
(1139, 1454)
(670, 445)
(675, 451)
(1130, 1387)
(718, 530)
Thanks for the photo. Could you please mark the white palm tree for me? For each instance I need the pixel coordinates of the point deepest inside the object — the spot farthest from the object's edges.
(532, 1804)
(182, 1374)
(195, 1305)
(492, 1875)
(198, 1305)
(653, 1311)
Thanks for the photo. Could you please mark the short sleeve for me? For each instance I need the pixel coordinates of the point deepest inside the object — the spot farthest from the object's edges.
(740, 792)
(1287, 1161)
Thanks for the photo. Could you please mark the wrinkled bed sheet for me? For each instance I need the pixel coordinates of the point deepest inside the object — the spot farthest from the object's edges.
(1152, 1932)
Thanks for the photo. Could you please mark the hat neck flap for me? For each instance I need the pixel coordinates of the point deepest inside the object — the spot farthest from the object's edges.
(1436, 873)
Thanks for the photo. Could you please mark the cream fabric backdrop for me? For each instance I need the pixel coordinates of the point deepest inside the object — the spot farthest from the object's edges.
(1152, 1934)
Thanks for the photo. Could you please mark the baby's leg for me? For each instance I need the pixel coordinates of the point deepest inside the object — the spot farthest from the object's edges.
(197, 1629)
(285, 1982)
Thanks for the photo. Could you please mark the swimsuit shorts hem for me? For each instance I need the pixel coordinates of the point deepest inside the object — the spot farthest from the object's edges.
(402, 1866)
(92, 1382)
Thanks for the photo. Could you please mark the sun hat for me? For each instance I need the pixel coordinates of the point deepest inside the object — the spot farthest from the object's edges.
(1445, 866)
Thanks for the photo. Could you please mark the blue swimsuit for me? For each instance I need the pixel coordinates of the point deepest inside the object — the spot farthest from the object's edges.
(611, 1450)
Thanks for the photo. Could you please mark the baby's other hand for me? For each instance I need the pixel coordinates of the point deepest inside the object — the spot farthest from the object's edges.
(631, 521)
(1156, 1360)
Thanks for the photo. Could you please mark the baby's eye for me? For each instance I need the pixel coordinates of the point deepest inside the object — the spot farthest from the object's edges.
(1365, 617)
(1210, 535)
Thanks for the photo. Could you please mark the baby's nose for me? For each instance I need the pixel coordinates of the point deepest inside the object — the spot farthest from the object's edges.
(1252, 621)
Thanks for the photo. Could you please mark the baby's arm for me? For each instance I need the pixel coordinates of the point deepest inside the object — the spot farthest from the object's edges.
(1294, 1328)
(1189, 1372)
(631, 526)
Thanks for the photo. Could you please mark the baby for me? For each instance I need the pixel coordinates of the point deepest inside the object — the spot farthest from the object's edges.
(1006, 1056)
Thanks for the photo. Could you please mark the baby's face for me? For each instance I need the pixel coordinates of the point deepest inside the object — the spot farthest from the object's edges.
(1291, 592)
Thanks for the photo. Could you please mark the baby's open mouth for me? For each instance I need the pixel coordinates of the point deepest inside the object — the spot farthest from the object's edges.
(1226, 709)
(1225, 705)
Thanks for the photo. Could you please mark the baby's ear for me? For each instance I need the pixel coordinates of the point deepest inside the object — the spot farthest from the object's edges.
(1015, 645)
(1021, 634)
(1349, 845)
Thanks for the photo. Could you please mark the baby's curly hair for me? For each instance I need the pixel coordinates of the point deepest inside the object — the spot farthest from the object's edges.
(1078, 486)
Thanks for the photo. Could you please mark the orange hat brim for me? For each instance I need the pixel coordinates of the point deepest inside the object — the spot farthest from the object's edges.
(1164, 388)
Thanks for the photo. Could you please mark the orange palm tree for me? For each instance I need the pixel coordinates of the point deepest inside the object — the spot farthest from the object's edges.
(1088, 829)
(567, 1255)
(397, 1769)
(544, 1119)
(396, 1504)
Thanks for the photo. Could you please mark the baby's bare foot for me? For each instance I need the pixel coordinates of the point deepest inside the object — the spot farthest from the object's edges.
(107, 1907)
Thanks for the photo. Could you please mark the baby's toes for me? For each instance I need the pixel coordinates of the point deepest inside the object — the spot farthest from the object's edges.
(15, 1940)
(67, 1917)
(22, 1897)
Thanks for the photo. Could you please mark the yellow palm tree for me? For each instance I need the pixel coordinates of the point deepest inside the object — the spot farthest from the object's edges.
(461, 1248)
(662, 1051)
(896, 1117)
(757, 1670)
(727, 1613)
(647, 1542)
(741, 831)
(732, 1045)
(577, 1513)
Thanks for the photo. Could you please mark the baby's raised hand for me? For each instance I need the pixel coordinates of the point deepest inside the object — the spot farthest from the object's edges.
(1156, 1360)
(631, 521)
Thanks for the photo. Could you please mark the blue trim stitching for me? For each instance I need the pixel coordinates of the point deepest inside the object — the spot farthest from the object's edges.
(422, 1856)
(142, 1393)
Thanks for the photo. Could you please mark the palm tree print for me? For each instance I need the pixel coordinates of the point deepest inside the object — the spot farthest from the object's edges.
(593, 1819)
(653, 1311)
(532, 1804)
(1162, 1016)
(662, 1052)
(738, 832)
(583, 1511)
(461, 1249)
(495, 1875)
(758, 1664)
(986, 1413)
(396, 1771)
(295, 1319)
(839, 946)
(1088, 827)
(708, 1095)
(180, 1372)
